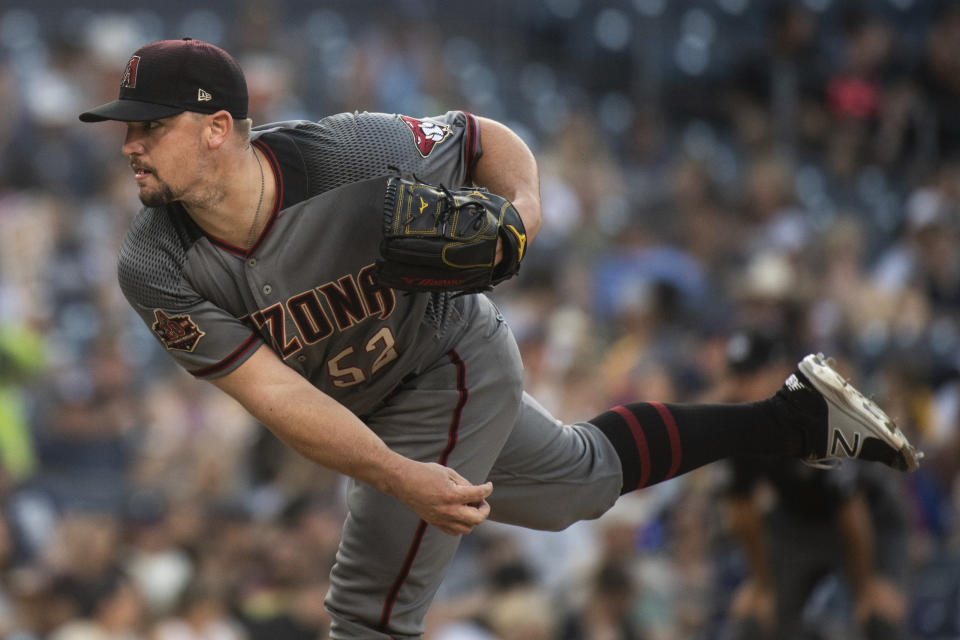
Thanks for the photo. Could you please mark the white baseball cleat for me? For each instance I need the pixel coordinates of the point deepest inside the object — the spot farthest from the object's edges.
(855, 426)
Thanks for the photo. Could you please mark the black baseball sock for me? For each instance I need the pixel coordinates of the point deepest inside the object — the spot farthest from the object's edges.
(657, 441)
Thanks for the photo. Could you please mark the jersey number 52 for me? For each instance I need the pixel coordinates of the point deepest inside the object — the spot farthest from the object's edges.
(345, 375)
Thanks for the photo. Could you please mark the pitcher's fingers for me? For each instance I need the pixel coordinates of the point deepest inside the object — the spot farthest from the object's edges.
(472, 516)
(475, 493)
(460, 481)
(454, 525)
(457, 479)
(483, 508)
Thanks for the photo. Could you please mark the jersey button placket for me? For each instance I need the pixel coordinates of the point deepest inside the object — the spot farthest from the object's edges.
(267, 289)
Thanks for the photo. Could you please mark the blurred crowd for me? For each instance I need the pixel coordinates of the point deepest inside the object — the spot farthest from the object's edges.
(708, 166)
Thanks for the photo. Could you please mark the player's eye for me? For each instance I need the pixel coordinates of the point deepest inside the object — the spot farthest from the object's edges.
(153, 124)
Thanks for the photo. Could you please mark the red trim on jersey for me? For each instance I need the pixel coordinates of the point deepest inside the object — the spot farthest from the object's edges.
(470, 148)
(226, 246)
(278, 176)
(641, 442)
(230, 359)
(452, 435)
(275, 167)
(676, 449)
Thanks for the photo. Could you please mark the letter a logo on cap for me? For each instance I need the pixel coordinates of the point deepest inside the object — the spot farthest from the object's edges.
(129, 80)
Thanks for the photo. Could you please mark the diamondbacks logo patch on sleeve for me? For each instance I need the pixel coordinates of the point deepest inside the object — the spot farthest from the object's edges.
(176, 332)
(426, 133)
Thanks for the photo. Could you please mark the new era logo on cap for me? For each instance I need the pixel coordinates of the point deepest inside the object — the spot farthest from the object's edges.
(169, 77)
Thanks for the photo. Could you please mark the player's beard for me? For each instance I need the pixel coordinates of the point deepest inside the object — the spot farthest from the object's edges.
(158, 197)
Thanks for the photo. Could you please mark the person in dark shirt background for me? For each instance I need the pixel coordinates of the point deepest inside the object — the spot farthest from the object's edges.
(799, 526)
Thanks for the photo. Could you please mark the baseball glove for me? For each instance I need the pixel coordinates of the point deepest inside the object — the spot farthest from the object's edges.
(436, 239)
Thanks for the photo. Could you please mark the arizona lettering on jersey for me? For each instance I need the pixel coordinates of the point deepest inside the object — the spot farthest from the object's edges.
(314, 315)
(304, 288)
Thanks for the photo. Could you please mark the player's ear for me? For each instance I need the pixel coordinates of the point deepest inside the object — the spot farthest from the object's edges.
(217, 128)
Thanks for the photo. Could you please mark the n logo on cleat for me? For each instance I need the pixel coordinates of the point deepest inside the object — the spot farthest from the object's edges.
(840, 443)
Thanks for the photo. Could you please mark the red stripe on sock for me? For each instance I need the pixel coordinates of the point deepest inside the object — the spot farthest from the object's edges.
(676, 449)
(640, 440)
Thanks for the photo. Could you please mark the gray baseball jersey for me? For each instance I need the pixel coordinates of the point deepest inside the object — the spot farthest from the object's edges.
(437, 378)
(305, 287)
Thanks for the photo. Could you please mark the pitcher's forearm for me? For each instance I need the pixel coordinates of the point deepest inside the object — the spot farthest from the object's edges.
(314, 424)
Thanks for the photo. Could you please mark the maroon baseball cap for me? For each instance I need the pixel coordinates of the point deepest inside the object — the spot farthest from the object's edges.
(169, 77)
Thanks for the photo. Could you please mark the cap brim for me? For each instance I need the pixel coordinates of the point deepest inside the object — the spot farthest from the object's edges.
(130, 111)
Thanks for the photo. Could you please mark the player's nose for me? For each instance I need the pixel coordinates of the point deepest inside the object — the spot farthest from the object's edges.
(131, 143)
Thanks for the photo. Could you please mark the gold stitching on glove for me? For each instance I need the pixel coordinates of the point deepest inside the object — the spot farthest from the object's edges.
(522, 238)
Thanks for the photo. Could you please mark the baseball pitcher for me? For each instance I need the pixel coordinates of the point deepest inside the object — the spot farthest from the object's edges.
(329, 275)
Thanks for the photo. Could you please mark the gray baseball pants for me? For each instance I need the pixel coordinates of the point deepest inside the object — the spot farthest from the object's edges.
(465, 408)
